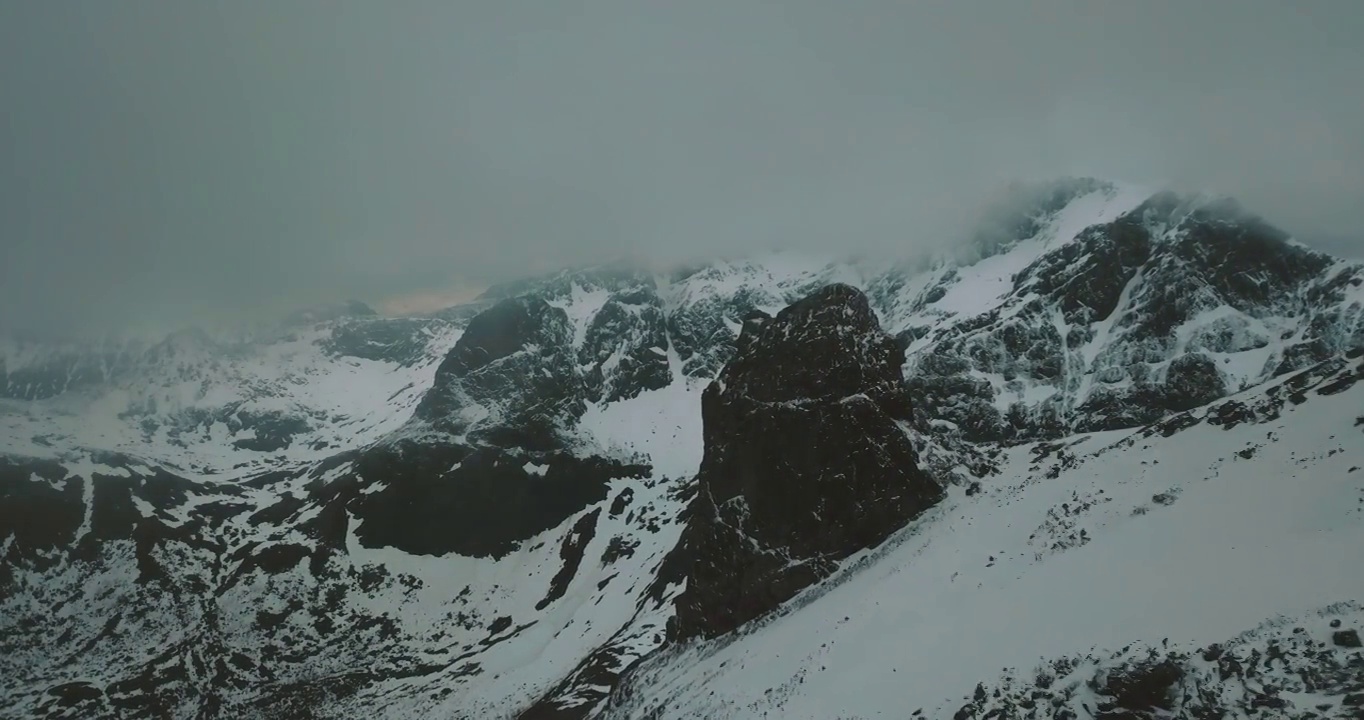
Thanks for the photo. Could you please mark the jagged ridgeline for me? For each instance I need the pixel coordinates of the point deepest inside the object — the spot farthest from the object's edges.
(746, 487)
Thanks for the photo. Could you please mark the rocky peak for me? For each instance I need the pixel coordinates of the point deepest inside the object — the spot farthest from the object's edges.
(505, 328)
(622, 334)
(750, 327)
(1162, 307)
(404, 341)
(502, 466)
(510, 379)
(806, 460)
(1242, 260)
(836, 325)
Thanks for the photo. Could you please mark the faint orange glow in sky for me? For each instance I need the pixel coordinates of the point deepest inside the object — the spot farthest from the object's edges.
(426, 301)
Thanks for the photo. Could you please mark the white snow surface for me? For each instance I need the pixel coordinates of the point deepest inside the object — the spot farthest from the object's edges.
(980, 583)
(999, 579)
(663, 424)
(981, 287)
(349, 402)
(346, 402)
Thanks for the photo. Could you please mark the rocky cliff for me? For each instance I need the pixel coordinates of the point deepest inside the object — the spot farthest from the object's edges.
(806, 460)
(501, 509)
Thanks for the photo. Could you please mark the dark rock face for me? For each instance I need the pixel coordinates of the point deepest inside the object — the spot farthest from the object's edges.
(620, 338)
(51, 516)
(1143, 686)
(499, 469)
(571, 552)
(399, 340)
(701, 333)
(40, 507)
(806, 461)
(622, 349)
(714, 300)
(1265, 672)
(625, 351)
(44, 507)
(509, 390)
(438, 499)
(1134, 320)
(514, 363)
(504, 329)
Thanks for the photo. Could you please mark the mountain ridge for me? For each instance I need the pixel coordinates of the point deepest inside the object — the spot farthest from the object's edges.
(235, 527)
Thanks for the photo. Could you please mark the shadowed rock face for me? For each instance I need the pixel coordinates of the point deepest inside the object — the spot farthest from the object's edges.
(438, 499)
(509, 391)
(805, 462)
(1133, 320)
(515, 363)
(630, 334)
(260, 597)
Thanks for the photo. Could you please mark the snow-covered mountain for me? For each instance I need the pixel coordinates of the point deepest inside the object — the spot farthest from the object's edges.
(1213, 556)
(1116, 428)
(222, 405)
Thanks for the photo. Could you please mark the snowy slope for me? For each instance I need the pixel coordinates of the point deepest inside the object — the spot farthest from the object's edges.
(964, 290)
(1015, 336)
(212, 409)
(1195, 538)
(418, 635)
(545, 642)
(263, 526)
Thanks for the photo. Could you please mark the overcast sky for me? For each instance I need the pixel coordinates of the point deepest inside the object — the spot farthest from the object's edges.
(166, 162)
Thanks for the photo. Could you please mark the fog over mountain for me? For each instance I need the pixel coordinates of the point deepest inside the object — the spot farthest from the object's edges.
(725, 359)
(164, 164)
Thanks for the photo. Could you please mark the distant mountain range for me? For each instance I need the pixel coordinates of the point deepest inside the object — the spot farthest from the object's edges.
(1103, 461)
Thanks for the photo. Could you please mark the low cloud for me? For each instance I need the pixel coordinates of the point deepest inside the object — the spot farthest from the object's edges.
(168, 163)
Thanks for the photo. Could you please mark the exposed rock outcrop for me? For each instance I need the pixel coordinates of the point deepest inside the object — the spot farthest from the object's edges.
(220, 525)
(1278, 670)
(806, 460)
(511, 379)
(625, 348)
(438, 499)
(1169, 306)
